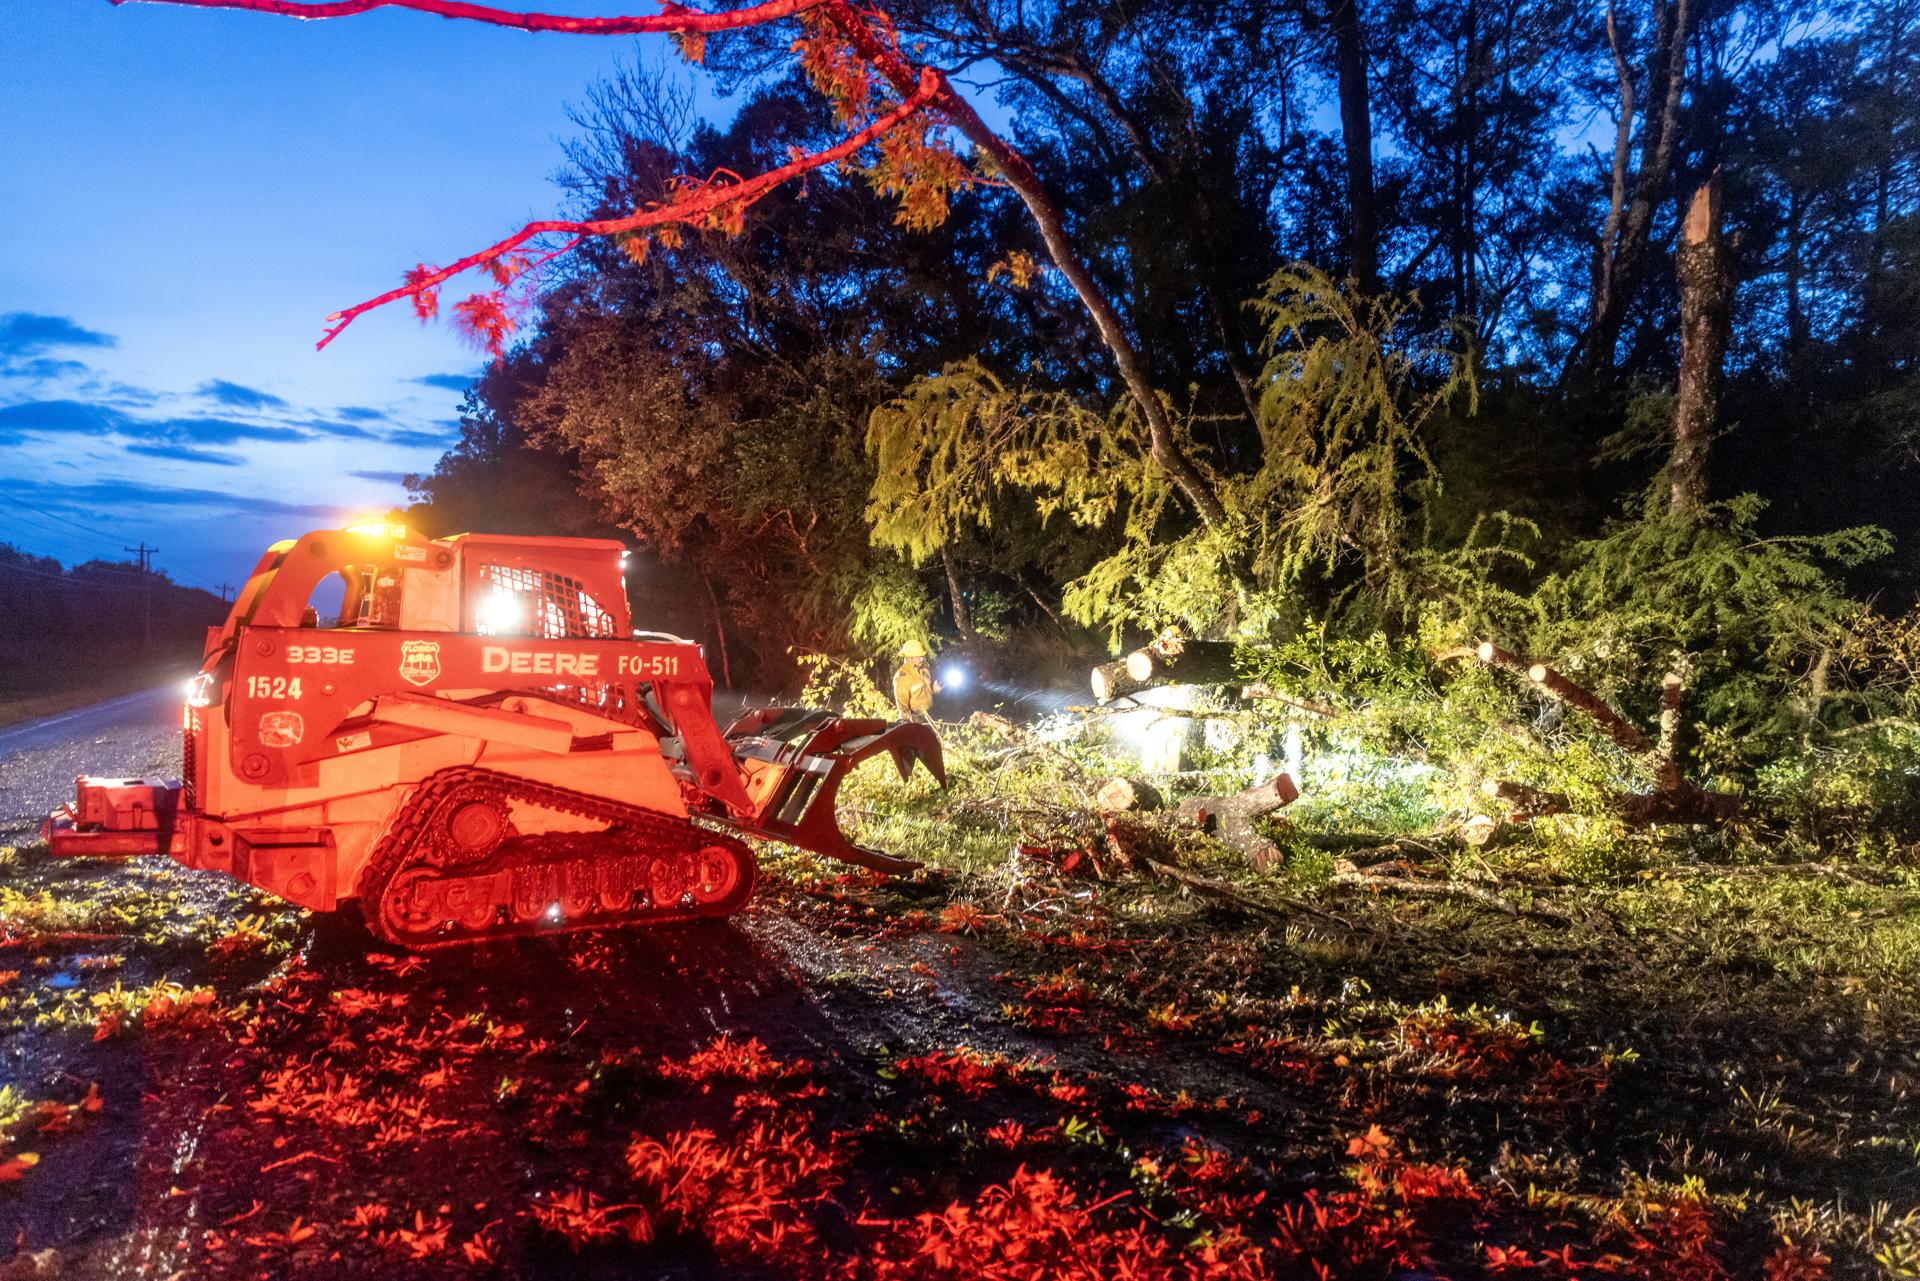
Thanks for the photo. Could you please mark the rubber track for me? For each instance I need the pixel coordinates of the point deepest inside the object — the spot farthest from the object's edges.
(654, 830)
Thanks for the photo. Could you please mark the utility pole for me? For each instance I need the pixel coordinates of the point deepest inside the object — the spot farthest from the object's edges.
(146, 554)
(226, 592)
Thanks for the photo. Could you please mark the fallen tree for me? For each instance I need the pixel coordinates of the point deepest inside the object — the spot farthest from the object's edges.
(1120, 795)
(1674, 799)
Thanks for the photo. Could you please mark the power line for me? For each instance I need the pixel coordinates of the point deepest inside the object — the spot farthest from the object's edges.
(62, 519)
(39, 530)
(108, 564)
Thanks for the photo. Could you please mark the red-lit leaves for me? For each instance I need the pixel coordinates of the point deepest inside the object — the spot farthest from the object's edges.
(36, 1122)
(964, 1070)
(161, 1009)
(474, 1115)
(583, 1220)
(851, 55)
(753, 1195)
(424, 296)
(1038, 1225)
(727, 1059)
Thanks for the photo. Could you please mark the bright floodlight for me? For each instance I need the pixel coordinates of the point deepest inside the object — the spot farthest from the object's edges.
(954, 677)
(500, 614)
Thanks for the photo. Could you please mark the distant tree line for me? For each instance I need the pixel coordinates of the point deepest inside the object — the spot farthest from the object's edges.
(63, 627)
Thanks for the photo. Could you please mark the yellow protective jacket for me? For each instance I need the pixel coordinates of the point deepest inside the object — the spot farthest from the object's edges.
(913, 689)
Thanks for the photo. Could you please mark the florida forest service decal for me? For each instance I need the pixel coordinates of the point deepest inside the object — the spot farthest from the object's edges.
(281, 729)
(420, 662)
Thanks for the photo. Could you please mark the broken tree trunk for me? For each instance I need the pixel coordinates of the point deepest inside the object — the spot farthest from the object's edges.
(1229, 819)
(1706, 295)
(1256, 691)
(1118, 795)
(1618, 727)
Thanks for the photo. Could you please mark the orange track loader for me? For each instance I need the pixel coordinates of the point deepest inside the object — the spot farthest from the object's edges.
(481, 746)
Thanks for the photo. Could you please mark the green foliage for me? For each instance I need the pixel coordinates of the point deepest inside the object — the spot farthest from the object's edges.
(1412, 744)
(887, 606)
(1350, 386)
(1860, 792)
(1348, 389)
(841, 685)
(993, 614)
(1744, 618)
(951, 444)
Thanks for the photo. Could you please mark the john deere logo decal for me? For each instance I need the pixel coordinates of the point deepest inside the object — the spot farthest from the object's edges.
(281, 729)
(420, 662)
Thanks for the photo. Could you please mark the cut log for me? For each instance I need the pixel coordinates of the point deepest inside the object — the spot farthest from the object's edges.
(1481, 831)
(1184, 662)
(998, 726)
(1118, 795)
(1229, 819)
(1111, 681)
(1618, 728)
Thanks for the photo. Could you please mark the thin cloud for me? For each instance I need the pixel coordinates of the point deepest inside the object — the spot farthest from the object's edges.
(188, 454)
(24, 333)
(361, 414)
(235, 396)
(88, 499)
(73, 417)
(351, 430)
(384, 477)
(448, 382)
(42, 368)
(216, 431)
(420, 439)
(61, 416)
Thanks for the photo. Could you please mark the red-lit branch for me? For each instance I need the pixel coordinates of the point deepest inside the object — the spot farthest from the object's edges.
(672, 18)
(693, 206)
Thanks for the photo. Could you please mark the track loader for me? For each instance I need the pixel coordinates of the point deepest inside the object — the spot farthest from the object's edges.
(479, 746)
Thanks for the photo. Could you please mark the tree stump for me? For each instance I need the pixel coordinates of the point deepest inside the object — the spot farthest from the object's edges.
(1119, 795)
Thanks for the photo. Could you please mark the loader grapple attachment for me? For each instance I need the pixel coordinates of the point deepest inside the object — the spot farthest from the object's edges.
(795, 761)
(478, 745)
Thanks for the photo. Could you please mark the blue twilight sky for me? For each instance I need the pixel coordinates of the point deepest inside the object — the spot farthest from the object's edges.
(184, 196)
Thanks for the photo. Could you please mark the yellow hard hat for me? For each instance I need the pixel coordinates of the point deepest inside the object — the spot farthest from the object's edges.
(913, 649)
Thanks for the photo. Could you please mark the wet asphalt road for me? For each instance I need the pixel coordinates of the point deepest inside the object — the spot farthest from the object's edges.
(136, 734)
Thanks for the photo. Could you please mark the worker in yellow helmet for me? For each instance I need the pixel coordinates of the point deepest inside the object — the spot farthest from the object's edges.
(913, 684)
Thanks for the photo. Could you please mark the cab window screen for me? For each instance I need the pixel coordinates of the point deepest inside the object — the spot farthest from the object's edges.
(518, 601)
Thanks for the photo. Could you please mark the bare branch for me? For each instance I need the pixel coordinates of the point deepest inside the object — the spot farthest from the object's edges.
(706, 200)
(672, 18)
